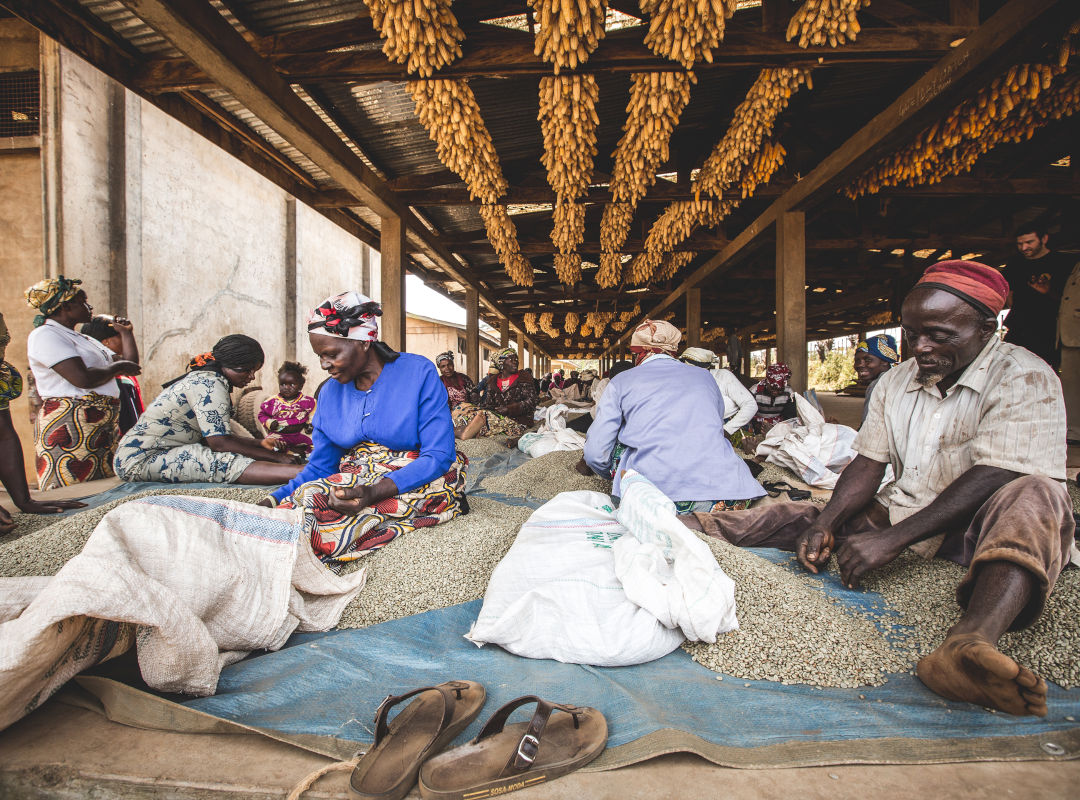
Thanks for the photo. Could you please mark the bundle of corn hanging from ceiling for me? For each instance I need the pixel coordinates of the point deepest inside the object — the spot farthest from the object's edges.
(571, 322)
(585, 331)
(568, 267)
(657, 100)
(821, 22)
(606, 343)
(610, 270)
(503, 237)
(547, 320)
(567, 226)
(686, 30)
(712, 334)
(672, 263)
(668, 316)
(568, 123)
(1009, 110)
(567, 31)
(530, 323)
(449, 111)
(753, 121)
(644, 265)
(597, 321)
(567, 342)
(422, 34)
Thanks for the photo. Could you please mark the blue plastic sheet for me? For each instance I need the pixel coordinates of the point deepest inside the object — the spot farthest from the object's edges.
(330, 685)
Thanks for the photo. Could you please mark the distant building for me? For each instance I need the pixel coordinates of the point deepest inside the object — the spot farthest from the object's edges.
(428, 337)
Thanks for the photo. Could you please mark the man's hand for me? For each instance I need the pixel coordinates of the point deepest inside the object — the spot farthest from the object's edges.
(867, 551)
(814, 547)
(50, 506)
(122, 324)
(351, 499)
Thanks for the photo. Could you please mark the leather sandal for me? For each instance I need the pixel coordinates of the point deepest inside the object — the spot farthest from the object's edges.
(426, 725)
(504, 758)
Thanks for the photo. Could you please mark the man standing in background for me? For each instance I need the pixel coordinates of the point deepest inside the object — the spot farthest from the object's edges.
(1037, 276)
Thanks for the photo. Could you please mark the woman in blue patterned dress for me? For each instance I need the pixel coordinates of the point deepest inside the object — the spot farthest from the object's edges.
(184, 436)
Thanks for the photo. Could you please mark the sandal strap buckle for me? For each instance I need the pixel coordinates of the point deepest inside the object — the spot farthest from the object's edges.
(534, 748)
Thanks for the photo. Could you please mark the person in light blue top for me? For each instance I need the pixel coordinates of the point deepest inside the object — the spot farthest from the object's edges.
(665, 420)
(383, 460)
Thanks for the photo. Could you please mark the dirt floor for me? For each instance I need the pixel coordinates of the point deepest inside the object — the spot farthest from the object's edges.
(62, 752)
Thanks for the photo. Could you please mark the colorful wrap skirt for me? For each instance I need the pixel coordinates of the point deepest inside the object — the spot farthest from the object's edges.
(75, 439)
(494, 424)
(344, 537)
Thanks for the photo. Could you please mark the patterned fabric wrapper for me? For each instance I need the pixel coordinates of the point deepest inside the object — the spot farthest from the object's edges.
(75, 439)
(11, 385)
(342, 537)
(494, 424)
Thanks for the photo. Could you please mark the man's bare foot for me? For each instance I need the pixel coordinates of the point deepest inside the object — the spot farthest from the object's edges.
(691, 521)
(968, 667)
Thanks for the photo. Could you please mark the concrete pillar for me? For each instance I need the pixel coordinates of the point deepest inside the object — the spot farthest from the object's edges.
(791, 295)
(504, 333)
(291, 310)
(472, 334)
(392, 251)
(693, 317)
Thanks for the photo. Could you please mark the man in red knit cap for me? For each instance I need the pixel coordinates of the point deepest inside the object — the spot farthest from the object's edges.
(974, 429)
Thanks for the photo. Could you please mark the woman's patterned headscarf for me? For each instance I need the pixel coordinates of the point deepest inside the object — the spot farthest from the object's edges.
(350, 315)
(499, 357)
(447, 356)
(776, 375)
(655, 336)
(48, 295)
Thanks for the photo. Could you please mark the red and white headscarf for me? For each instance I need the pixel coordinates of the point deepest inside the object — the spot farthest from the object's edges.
(776, 375)
(350, 315)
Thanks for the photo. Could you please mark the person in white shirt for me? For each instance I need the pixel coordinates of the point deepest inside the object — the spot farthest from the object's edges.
(739, 405)
(75, 433)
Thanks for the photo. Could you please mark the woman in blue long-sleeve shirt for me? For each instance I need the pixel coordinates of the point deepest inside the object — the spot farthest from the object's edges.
(384, 460)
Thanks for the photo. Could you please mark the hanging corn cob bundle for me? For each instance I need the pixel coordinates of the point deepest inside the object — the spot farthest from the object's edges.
(597, 321)
(567, 226)
(422, 34)
(570, 324)
(568, 30)
(503, 237)
(568, 267)
(686, 30)
(673, 262)
(610, 270)
(607, 343)
(614, 228)
(668, 316)
(1010, 109)
(585, 331)
(567, 342)
(821, 22)
(547, 320)
(712, 334)
(530, 323)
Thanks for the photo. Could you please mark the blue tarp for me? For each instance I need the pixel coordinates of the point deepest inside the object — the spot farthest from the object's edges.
(330, 685)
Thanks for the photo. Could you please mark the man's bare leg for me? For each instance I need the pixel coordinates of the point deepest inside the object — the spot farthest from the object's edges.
(968, 666)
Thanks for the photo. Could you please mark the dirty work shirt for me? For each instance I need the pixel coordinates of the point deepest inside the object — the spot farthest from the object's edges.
(405, 409)
(1005, 411)
(670, 418)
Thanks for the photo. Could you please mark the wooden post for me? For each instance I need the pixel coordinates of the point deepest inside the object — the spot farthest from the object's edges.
(472, 334)
(504, 333)
(791, 295)
(521, 349)
(693, 317)
(392, 252)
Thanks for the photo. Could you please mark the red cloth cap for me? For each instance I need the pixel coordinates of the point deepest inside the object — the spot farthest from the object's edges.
(982, 286)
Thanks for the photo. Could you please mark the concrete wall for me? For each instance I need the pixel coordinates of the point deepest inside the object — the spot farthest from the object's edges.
(171, 231)
(428, 338)
(22, 261)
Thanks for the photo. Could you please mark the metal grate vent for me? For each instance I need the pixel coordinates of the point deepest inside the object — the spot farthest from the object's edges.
(20, 104)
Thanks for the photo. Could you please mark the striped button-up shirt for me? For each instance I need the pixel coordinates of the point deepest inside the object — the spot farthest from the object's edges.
(1005, 411)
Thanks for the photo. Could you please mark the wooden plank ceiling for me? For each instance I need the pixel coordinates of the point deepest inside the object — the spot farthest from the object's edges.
(302, 92)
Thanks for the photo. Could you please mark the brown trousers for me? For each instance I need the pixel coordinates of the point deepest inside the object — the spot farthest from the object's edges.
(1028, 522)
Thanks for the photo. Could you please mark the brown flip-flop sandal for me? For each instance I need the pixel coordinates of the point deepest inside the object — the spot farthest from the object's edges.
(426, 725)
(504, 758)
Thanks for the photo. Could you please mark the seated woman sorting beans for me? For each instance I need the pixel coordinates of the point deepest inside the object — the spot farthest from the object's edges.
(507, 408)
(384, 461)
(184, 436)
(458, 385)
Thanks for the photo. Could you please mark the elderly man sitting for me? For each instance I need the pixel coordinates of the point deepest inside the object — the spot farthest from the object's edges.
(974, 428)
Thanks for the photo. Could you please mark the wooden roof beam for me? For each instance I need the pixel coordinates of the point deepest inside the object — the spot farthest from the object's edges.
(975, 60)
(500, 54)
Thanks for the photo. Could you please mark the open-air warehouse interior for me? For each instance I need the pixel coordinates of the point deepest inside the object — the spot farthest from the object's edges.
(776, 132)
